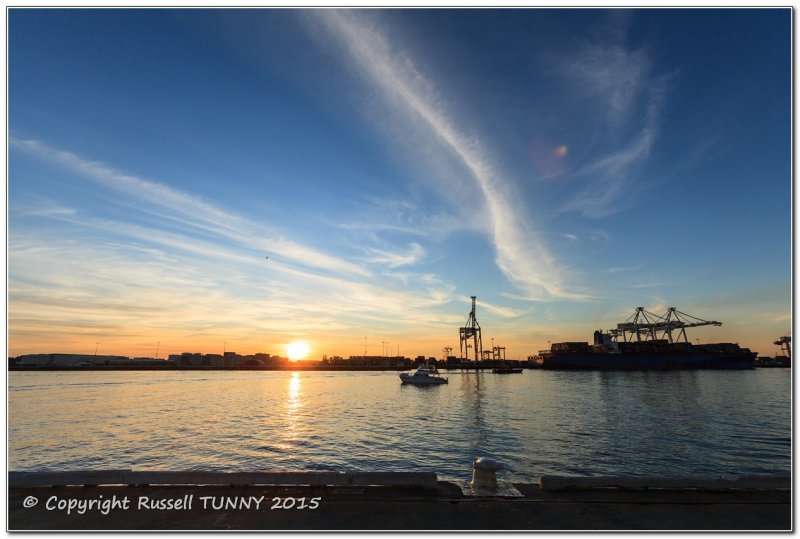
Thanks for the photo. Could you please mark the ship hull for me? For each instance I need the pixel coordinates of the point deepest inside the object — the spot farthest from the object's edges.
(644, 361)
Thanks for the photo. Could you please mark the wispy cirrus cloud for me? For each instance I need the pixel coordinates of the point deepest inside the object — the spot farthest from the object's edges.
(627, 100)
(520, 253)
(611, 75)
(42, 207)
(188, 209)
(656, 284)
(503, 312)
(617, 269)
(651, 285)
(142, 283)
(375, 216)
(613, 176)
(395, 259)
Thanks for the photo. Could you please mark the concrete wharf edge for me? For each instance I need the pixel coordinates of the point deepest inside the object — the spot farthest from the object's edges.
(402, 501)
(132, 478)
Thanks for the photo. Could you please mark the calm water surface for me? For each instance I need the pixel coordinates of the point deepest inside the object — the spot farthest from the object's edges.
(538, 422)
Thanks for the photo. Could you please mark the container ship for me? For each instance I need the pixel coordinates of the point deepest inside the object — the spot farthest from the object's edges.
(647, 341)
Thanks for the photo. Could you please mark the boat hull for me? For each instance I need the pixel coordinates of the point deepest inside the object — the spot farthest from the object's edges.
(644, 361)
(420, 381)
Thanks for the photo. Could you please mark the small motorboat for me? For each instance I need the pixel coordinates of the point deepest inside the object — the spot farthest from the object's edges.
(425, 375)
(505, 368)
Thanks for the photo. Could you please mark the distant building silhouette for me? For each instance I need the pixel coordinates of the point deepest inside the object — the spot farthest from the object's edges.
(228, 359)
(80, 360)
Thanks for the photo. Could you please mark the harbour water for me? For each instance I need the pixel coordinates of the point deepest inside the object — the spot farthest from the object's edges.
(677, 423)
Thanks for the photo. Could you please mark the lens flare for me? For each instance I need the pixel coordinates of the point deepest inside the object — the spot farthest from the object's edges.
(549, 159)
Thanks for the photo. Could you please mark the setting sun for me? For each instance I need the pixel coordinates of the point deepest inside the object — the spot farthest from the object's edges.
(297, 350)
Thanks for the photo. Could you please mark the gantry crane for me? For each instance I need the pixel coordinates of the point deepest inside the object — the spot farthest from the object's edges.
(786, 346)
(643, 325)
(446, 351)
(471, 330)
(678, 320)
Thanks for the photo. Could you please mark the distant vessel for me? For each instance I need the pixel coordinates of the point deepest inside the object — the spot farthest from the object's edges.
(424, 375)
(645, 341)
(505, 368)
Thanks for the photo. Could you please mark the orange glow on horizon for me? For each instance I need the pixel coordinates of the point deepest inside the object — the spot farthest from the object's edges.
(519, 342)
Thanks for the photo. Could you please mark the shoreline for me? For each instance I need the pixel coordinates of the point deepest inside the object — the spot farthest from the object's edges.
(210, 368)
(343, 368)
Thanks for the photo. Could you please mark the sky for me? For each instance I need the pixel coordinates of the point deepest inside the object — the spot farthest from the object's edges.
(209, 180)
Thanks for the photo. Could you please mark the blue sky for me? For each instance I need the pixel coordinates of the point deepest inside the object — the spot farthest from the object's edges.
(564, 165)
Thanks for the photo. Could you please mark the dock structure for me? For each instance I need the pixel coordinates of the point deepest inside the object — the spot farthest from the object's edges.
(384, 501)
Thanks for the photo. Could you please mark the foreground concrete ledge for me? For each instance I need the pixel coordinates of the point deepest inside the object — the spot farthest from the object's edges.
(556, 482)
(130, 477)
(388, 479)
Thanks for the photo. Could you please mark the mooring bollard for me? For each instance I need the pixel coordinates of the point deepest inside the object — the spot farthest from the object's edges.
(484, 472)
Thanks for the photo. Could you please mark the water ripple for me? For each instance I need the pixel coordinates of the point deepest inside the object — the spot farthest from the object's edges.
(575, 423)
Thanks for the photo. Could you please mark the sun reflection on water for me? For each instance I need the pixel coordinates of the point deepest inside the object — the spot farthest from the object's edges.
(293, 403)
(292, 407)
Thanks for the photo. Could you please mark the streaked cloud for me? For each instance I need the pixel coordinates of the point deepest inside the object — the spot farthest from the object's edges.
(612, 75)
(390, 215)
(189, 210)
(503, 312)
(624, 268)
(119, 290)
(613, 175)
(394, 259)
(627, 100)
(570, 237)
(651, 285)
(42, 207)
(520, 253)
